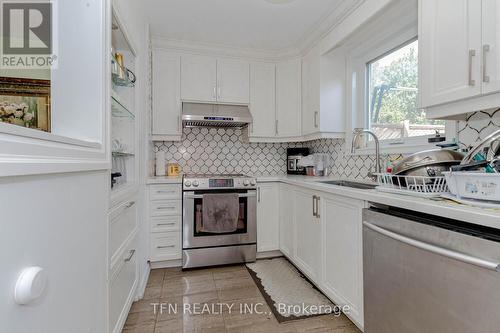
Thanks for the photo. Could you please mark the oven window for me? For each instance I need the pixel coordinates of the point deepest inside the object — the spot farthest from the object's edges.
(199, 229)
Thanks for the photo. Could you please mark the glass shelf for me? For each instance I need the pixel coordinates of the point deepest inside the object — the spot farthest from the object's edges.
(119, 110)
(122, 154)
(117, 80)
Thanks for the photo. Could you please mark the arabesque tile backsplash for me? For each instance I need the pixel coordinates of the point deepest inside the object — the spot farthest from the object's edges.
(203, 150)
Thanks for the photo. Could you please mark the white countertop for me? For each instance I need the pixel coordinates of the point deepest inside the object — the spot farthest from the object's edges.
(443, 208)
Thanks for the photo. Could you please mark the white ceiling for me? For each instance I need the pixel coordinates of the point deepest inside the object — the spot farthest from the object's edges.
(243, 24)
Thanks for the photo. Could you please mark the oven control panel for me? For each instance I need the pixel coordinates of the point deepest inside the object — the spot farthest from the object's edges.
(218, 183)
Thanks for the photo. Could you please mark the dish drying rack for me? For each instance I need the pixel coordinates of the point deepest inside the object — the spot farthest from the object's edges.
(420, 186)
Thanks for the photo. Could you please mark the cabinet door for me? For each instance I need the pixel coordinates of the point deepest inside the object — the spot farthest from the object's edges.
(310, 92)
(342, 277)
(263, 99)
(267, 217)
(286, 227)
(233, 81)
(491, 45)
(308, 235)
(166, 94)
(449, 50)
(198, 79)
(288, 98)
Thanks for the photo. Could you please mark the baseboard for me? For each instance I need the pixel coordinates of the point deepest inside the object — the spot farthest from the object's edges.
(166, 264)
(141, 288)
(269, 254)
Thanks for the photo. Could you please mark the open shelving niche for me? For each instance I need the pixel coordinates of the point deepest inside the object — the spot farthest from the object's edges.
(123, 121)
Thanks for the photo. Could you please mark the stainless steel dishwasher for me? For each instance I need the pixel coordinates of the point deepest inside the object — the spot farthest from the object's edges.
(424, 274)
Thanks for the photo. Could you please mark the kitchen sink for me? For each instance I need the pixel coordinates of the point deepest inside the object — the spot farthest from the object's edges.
(346, 183)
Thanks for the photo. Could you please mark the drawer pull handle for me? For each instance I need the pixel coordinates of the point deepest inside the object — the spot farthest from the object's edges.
(160, 224)
(132, 252)
(165, 208)
(165, 191)
(165, 247)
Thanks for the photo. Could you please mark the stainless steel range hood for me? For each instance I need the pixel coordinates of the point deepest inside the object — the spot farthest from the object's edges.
(215, 115)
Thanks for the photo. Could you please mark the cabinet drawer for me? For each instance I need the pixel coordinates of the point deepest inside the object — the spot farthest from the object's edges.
(166, 246)
(122, 222)
(165, 223)
(123, 279)
(165, 192)
(165, 208)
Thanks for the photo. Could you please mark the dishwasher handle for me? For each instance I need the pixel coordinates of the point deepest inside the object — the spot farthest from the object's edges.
(436, 249)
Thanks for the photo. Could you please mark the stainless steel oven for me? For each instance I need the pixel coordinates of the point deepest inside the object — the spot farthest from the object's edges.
(202, 247)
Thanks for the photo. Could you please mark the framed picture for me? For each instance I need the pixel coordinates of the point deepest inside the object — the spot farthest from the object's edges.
(25, 102)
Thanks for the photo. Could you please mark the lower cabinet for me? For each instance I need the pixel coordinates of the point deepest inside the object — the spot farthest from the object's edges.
(342, 257)
(165, 222)
(321, 234)
(123, 274)
(122, 285)
(268, 197)
(308, 233)
(286, 220)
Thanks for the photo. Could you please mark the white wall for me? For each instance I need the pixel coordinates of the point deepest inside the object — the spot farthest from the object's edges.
(57, 222)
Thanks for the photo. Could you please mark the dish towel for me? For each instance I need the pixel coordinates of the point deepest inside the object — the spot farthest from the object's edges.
(220, 213)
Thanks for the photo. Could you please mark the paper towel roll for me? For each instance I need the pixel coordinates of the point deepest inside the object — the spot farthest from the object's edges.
(160, 163)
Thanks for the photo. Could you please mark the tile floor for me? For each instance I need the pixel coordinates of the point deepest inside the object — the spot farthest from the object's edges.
(207, 288)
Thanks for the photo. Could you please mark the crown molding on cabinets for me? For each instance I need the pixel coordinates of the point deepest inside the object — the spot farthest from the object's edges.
(324, 27)
(328, 24)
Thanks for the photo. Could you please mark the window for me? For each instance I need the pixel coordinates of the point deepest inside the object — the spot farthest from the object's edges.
(393, 112)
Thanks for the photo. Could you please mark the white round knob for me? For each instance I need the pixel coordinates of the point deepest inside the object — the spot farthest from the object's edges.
(187, 183)
(195, 183)
(30, 285)
(246, 182)
(253, 182)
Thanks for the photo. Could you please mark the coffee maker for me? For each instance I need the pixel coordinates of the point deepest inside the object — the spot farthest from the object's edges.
(294, 155)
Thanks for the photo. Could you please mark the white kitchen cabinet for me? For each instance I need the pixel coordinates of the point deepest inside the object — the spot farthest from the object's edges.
(286, 221)
(209, 80)
(166, 117)
(491, 46)
(288, 98)
(308, 246)
(122, 285)
(458, 57)
(449, 50)
(263, 99)
(165, 223)
(233, 81)
(342, 253)
(311, 92)
(268, 197)
(198, 78)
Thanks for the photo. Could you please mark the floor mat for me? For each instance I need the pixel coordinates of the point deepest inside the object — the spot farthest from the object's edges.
(287, 292)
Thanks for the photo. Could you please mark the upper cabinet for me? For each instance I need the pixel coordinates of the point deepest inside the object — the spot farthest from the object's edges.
(288, 99)
(263, 100)
(210, 80)
(233, 81)
(166, 96)
(323, 94)
(198, 78)
(311, 92)
(458, 41)
(491, 43)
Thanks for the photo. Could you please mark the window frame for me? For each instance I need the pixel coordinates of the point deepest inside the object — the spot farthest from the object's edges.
(366, 47)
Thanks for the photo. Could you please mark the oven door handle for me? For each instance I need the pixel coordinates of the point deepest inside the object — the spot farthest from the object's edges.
(200, 196)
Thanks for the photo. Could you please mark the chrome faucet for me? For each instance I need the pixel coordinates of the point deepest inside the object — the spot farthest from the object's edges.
(356, 134)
